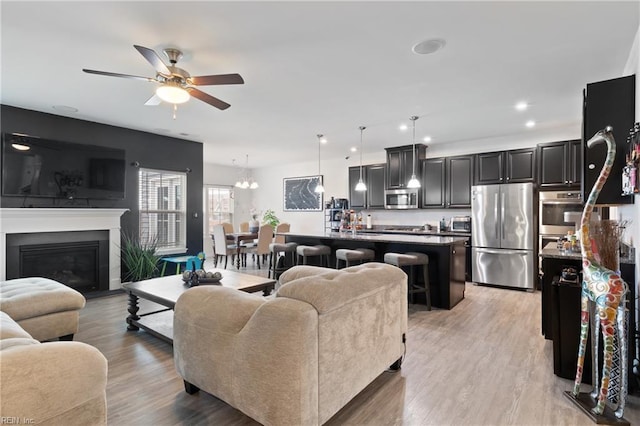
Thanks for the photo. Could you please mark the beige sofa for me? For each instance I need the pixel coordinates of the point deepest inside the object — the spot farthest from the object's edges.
(52, 383)
(298, 358)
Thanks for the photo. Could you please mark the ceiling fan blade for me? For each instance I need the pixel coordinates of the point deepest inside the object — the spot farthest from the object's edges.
(114, 74)
(153, 101)
(205, 97)
(210, 80)
(153, 58)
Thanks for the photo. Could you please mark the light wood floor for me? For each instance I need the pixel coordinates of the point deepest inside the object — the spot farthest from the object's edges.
(482, 363)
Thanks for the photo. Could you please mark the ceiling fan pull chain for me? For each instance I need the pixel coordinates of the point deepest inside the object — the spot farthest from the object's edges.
(175, 109)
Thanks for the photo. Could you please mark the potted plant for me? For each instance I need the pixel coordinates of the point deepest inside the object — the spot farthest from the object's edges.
(270, 218)
(139, 258)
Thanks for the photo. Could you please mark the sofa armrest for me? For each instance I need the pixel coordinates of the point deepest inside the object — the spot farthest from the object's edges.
(223, 308)
(43, 381)
(258, 355)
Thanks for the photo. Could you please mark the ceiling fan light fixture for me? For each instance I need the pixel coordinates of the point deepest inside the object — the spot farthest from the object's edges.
(172, 93)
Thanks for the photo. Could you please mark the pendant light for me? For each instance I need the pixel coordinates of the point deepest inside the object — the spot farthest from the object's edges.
(414, 182)
(247, 179)
(319, 188)
(360, 186)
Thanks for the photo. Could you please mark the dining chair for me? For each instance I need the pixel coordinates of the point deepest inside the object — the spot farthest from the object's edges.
(244, 226)
(282, 227)
(221, 247)
(260, 247)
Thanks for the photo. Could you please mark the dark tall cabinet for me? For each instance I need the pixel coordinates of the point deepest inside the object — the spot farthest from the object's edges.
(446, 181)
(560, 164)
(400, 164)
(373, 176)
(607, 103)
(515, 166)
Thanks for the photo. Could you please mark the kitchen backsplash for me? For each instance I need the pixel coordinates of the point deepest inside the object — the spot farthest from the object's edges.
(419, 217)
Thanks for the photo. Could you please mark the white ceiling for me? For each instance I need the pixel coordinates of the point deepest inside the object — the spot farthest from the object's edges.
(319, 67)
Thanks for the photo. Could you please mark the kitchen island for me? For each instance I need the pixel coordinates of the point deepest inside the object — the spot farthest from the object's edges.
(446, 256)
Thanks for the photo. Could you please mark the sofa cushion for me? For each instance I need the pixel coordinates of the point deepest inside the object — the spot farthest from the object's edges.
(24, 298)
(330, 290)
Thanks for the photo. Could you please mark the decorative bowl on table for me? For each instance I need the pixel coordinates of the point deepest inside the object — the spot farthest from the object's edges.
(201, 277)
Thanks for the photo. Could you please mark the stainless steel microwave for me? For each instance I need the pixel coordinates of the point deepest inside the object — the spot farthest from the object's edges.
(401, 198)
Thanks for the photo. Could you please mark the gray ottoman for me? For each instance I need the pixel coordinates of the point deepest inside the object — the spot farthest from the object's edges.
(45, 308)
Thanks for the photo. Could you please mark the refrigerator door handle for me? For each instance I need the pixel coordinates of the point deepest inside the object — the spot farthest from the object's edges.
(495, 214)
(502, 218)
(503, 251)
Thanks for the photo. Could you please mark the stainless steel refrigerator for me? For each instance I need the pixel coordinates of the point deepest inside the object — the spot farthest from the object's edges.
(502, 228)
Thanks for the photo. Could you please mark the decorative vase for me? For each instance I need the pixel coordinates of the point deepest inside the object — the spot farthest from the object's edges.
(254, 225)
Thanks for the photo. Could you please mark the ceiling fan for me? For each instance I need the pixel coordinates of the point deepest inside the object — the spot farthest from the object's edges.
(176, 84)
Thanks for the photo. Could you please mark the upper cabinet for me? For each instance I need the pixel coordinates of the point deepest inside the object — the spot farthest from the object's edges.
(560, 164)
(607, 103)
(400, 164)
(446, 182)
(515, 166)
(373, 176)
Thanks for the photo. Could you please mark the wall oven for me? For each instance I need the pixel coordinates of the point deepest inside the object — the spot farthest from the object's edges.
(553, 205)
(401, 198)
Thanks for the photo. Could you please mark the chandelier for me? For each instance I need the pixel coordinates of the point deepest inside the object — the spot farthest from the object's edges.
(246, 179)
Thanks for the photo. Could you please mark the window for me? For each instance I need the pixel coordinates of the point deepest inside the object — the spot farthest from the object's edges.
(163, 209)
(218, 206)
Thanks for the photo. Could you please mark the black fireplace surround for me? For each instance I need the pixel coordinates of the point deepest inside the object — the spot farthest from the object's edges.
(78, 259)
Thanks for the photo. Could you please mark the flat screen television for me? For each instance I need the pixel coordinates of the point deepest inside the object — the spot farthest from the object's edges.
(37, 167)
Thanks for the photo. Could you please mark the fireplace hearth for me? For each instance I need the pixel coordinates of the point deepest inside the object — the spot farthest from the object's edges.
(78, 259)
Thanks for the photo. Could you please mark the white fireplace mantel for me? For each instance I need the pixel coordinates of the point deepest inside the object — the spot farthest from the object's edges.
(31, 220)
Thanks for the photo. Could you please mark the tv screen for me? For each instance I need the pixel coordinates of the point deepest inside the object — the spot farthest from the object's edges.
(35, 167)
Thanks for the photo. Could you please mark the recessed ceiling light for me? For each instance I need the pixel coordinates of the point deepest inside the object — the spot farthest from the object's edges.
(403, 127)
(427, 139)
(530, 123)
(64, 108)
(426, 47)
(522, 106)
(20, 147)
(354, 149)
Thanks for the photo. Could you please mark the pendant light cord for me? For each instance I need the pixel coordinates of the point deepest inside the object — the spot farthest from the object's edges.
(414, 118)
(361, 131)
(319, 142)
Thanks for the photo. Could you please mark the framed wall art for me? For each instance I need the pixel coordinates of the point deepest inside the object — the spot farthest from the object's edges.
(299, 195)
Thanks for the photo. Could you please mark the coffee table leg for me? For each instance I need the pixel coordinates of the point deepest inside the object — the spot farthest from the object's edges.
(267, 290)
(133, 312)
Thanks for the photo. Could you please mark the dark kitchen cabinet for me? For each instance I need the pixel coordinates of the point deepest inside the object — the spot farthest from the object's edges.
(489, 168)
(357, 199)
(515, 166)
(560, 164)
(607, 103)
(375, 186)
(459, 180)
(520, 165)
(400, 164)
(373, 176)
(433, 182)
(446, 182)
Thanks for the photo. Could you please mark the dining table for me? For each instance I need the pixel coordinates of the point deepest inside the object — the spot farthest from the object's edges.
(238, 238)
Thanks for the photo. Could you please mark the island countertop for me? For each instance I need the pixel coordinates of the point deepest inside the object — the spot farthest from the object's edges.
(430, 240)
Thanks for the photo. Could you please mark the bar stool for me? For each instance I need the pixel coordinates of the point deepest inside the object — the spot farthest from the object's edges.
(310, 251)
(412, 259)
(288, 250)
(358, 255)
